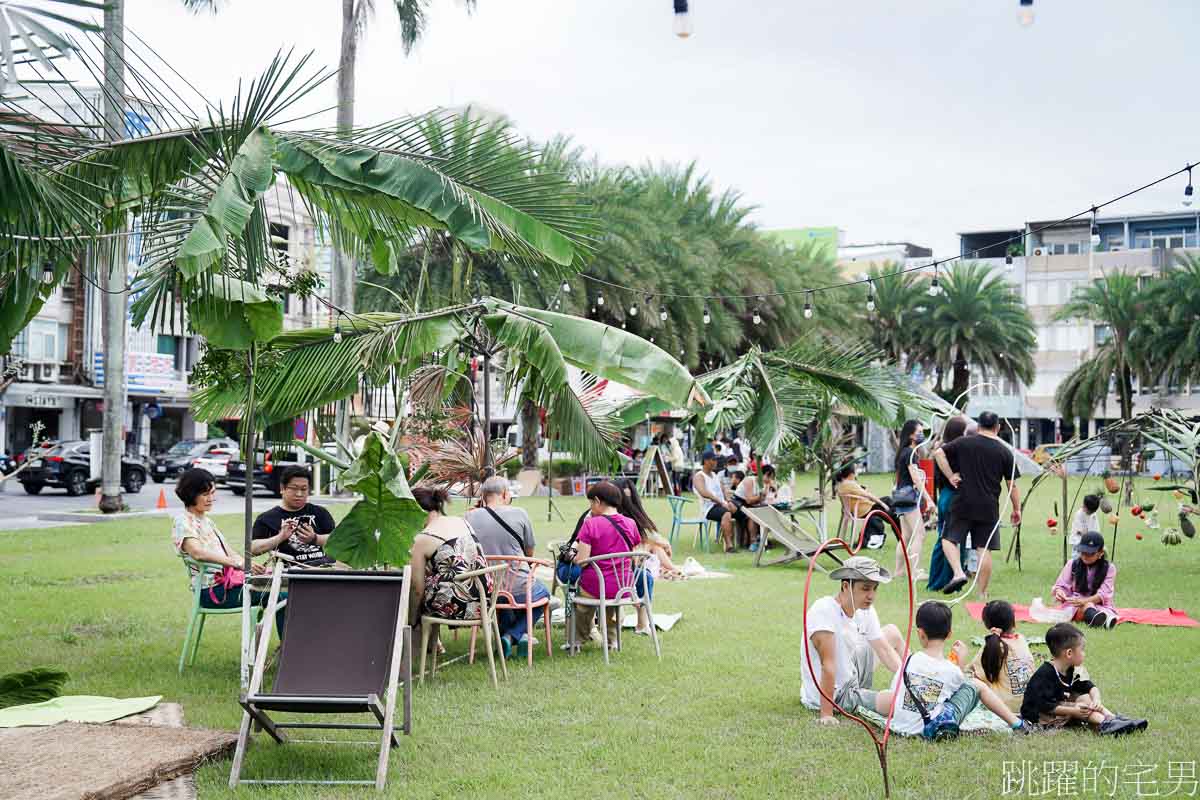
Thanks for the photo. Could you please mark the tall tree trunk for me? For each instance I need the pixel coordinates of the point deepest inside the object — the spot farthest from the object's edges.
(342, 283)
(529, 434)
(962, 382)
(113, 273)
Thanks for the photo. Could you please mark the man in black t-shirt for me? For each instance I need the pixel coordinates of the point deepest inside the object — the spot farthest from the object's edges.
(975, 466)
(295, 527)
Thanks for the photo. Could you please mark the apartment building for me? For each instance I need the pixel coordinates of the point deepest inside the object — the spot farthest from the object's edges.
(1051, 264)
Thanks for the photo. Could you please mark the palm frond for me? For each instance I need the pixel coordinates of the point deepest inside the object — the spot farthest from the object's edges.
(32, 686)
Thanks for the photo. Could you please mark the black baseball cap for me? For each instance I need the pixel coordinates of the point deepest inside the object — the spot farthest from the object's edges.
(709, 455)
(1090, 543)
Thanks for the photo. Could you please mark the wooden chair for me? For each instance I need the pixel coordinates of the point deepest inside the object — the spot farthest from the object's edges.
(796, 542)
(514, 583)
(431, 625)
(351, 645)
(199, 613)
(626, 566)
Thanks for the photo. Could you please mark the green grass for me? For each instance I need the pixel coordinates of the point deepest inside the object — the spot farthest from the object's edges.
(719, 716)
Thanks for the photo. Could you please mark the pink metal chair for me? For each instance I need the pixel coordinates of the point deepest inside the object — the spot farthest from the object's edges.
(512, 583)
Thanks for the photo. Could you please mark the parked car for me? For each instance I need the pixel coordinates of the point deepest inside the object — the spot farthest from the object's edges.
(179, 457)
(67, 465)
(216, 462)
(267, 466)
(7, 463)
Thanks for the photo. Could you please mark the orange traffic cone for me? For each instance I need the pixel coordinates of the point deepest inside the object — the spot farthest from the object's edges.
(162, 499)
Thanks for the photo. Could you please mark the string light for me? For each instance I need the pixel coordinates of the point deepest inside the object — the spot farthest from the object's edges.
(1095, 227)
(662, 313)
(871, 298)
(566, 287)
(651, 340)
(624, 326)
(600, 300)
(1008, 259)
(47, 273)
(1187, 190)
(707, 316)
(682, 26)
(808, 305)
(758, 311)
(633, 309)
(1025, 13)
(934, 288)
(337, 333)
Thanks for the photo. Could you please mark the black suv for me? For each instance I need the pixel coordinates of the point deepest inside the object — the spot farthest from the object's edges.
(267, 466)
(179, 457)
(67, 465)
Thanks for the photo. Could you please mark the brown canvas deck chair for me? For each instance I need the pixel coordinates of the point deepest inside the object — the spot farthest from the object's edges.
(774, 525)
(346, 645)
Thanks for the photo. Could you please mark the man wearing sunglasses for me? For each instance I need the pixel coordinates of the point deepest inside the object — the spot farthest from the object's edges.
(295, 527)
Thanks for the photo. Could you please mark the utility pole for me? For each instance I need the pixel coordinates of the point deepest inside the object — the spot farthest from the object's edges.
(113, 270)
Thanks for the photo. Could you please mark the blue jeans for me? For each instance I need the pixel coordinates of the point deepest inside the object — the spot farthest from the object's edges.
(512, 623)
(569, 574)
(233, 599)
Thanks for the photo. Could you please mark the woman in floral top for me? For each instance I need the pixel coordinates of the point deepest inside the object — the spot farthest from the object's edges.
(197, 536)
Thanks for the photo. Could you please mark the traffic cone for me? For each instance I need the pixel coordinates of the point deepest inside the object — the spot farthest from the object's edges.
(162, 499)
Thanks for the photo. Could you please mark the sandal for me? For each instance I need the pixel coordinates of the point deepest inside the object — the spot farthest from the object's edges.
(954, 585)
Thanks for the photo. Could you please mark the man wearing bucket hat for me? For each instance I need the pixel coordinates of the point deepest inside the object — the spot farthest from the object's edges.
(845, 639)
(1087, 583)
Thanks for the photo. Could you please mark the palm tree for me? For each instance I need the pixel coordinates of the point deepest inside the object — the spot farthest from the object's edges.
(894, 326)
(1115, 301)
(1169, 331)
(979, 320)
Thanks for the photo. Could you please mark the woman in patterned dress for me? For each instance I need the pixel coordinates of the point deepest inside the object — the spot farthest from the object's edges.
(445, 549)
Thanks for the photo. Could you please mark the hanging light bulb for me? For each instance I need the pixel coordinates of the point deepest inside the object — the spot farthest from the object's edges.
(47, 273)
(808, 311)
(1187, 190)
(662, 313)
(707, 316)
(871, 298)
(651, 340)
(633, 309)
(1008, 258)
(1095, 227)
(682, 26)
(337, 333)
(1025, 13)
(758, 311)
(600, 300)
(593, 311)
(566, 287)
(624, 327)
(682, 352)
(934, 288)
(462, 354)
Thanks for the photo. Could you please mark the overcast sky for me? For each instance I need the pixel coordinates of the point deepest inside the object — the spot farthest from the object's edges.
(892, 120)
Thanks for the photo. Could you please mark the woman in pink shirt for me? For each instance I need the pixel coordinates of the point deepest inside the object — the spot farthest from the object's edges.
(605, 531)
(1087, 583)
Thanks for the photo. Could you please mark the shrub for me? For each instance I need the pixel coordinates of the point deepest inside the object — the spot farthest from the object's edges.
(563, 468)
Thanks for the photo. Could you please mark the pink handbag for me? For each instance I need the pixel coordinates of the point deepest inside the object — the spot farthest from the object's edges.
(230, 578)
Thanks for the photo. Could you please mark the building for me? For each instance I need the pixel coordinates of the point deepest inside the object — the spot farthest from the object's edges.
(1046, 270)
(827, 239)
(855, 259)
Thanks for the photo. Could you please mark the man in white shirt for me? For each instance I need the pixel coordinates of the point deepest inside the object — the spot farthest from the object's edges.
(716, 507)
(845, 638)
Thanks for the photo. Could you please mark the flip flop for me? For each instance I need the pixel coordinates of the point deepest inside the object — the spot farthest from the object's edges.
(954, 585)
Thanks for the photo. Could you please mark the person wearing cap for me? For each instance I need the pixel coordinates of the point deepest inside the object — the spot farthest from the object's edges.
(1087, 583)
(716, 507)
(845, 639)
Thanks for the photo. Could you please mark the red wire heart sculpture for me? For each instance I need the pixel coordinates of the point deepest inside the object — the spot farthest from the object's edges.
(881, 742)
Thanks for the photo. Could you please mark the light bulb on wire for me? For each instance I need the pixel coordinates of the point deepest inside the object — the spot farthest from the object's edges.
(682, 27)
(633, 309)
(566, 287)
(707, 316)
(808, 309)
(662, 313)
(1187, 190)
(47, 273)
(1025, 13)
(870, 300)
(758, 312)
(337, 333)
(1095, 227)
(600, 300)
(934, 288)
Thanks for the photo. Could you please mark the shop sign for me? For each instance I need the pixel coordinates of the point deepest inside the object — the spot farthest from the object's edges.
(43, 401)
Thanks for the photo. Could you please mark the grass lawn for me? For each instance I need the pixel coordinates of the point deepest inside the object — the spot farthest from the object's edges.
(720, 716)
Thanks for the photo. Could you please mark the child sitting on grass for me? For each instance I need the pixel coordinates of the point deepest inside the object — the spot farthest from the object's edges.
(1005, 663)
(1087, 583)
(1060, 694)
(936, 695)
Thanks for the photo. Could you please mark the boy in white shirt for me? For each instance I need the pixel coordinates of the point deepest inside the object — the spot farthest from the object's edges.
(1085, 519)
(845, 638)
(936, 696)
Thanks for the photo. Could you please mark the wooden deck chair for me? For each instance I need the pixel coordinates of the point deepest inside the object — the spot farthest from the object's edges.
(797, 542)
(349, 646)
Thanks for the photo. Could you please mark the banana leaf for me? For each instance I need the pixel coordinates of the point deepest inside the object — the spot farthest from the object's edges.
(234, 314)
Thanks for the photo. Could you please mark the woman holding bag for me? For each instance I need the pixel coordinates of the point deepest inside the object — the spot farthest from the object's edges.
(196, 535)
(906, 499)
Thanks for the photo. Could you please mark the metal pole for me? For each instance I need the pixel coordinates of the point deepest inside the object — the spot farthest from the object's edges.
(487, 406)
(1062, 523)
(248, 446)
(549, 475)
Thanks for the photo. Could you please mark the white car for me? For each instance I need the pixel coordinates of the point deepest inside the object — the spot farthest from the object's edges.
(216, 462)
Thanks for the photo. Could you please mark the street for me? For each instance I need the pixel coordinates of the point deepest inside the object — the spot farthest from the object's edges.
(19, 510)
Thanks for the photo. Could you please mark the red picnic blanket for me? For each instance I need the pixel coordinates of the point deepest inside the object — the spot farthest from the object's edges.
(1146, 616)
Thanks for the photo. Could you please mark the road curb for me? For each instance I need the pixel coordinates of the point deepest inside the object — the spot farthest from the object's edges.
(78, 516)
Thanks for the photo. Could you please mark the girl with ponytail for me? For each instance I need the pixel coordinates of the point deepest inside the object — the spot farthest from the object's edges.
(1005, 663)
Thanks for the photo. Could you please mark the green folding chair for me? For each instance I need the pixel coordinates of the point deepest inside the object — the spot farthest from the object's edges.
(199, 612)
